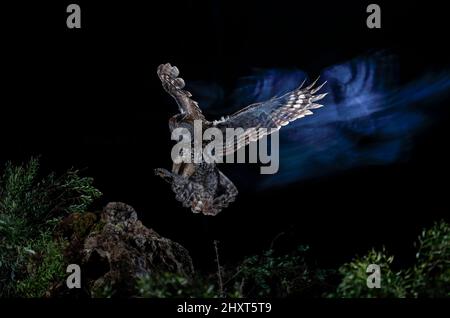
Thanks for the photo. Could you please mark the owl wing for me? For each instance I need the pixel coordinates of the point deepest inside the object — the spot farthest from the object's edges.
(174, 85)
(270, 115)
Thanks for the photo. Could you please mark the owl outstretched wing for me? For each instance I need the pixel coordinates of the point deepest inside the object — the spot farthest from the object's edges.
(174, 85)
(270, 115)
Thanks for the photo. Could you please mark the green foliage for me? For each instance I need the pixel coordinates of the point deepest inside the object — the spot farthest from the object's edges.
(169, 285)
(266, 275)
(280, 276)
(30, 207)
(32, 261)
(429, 277)
(45, 265)
(103, 291)
(354, 281)
(26, 199)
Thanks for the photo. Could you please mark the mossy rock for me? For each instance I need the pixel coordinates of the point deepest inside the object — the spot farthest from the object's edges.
(77, 225)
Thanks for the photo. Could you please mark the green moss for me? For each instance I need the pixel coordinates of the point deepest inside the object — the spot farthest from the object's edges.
(98, 227)
(82, 223)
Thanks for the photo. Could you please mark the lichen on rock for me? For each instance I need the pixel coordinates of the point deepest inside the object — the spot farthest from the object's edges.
(113, 256)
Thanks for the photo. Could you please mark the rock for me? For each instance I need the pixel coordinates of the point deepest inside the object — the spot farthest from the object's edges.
(74, 229)
(121, 249)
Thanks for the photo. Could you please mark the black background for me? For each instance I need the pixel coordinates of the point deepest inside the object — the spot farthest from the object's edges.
(91, 98)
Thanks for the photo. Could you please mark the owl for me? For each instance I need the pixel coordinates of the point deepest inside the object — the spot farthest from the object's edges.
(201, 186)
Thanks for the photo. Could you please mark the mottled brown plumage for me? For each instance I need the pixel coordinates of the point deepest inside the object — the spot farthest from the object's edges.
(202, 186)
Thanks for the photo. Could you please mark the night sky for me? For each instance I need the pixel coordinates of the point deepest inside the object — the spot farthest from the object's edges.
(90, 98)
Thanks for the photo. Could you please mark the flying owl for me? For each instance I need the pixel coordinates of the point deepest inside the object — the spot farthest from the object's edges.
(202, 187)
